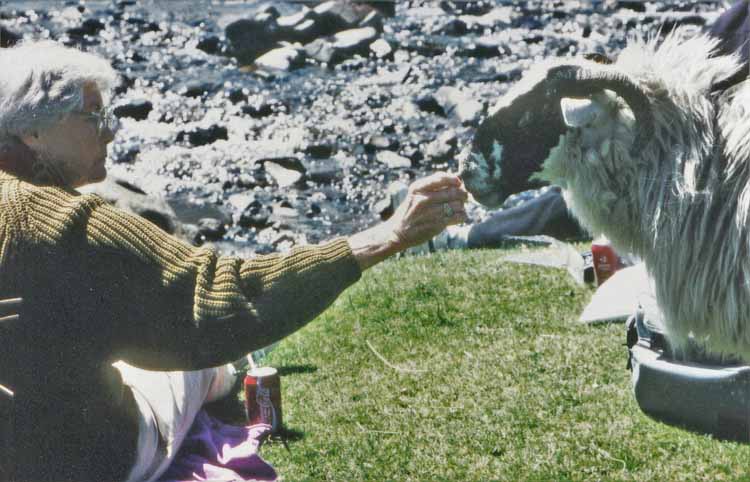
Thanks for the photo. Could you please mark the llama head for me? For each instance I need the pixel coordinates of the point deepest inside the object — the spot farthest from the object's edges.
(604, 131)
(584, 98)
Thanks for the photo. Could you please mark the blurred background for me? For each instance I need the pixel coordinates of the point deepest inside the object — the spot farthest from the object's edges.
(258, 125)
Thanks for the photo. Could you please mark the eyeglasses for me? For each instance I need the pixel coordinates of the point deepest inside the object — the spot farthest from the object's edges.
(106, 120)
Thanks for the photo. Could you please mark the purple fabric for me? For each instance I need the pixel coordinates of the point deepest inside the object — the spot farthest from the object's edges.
(216, 451)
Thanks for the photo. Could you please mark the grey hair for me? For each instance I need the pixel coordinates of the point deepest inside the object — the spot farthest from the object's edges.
(41, 82)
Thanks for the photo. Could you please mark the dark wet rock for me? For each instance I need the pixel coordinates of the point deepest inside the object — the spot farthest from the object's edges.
(129, 197)
(8, 38)
(137, 109)
(285, 237)
(143, 25)
(125, 153)
(248, 39)
(455, 27)
(202, 136)
(313, 211)
(636, 6)
(320, 151)
(306, 31)
(90, 26)
(281, 59)
(211, 229)
(428, 103)
(124, 82)
(386, 8)
(268, 11)
(467, 8)
(197, 88)
(337, 15)
(210, 44)
(383, 208)
(323, 171)
(259, 110)
(392, 160)
(457, 104)
(326, 19)
(378, 100)
(343, 45)
(413, 152)
(511, 74)
(286, 171)
(483, 48)
(255, 215)
(236, 95)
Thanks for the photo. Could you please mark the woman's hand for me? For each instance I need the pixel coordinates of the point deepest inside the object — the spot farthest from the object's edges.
(9, 309)
(431, 204)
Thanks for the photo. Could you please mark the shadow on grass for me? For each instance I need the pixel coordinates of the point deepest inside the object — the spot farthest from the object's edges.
(286, 434)
(295, 369)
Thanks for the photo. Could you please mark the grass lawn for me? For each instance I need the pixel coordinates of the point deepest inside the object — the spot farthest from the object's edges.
(496, 382)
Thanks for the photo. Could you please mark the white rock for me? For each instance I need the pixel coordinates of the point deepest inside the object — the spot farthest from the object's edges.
(353, 37)
(392, 160)
(284, 177)
(458, 104)
(381, 48)
(282, 58)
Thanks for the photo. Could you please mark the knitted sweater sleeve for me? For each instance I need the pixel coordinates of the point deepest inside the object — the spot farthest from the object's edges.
(174, 306)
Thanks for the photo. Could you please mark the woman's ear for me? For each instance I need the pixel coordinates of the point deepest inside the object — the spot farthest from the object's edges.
(30, 140)
(17, 157)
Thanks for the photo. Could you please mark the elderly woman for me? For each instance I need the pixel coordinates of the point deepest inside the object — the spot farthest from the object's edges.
(110, 286)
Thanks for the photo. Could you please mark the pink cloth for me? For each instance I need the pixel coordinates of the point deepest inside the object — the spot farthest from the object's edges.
(217, 452)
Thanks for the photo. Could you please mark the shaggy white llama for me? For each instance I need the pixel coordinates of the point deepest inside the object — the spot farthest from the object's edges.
(650, 154)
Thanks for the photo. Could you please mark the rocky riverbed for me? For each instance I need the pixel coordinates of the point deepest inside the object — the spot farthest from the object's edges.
(268, 124)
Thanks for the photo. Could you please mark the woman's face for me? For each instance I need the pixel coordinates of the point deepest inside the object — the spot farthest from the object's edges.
(75, 147)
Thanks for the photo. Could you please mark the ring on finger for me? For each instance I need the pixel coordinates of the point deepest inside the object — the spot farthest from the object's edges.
(448, 210)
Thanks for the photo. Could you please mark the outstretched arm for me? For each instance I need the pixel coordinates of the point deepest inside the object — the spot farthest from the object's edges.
(162, 304)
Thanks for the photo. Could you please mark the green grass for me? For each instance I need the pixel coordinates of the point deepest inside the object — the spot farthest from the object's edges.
(506, 385)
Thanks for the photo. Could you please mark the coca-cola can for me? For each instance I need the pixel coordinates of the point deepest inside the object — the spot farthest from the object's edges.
(263, 397)
(606, 261)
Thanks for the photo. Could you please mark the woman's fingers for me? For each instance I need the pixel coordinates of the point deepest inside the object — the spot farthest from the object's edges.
(448, 213)
(446, 195)
(435, 182)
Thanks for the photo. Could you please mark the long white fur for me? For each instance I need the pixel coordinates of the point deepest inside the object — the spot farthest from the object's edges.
(682, 203)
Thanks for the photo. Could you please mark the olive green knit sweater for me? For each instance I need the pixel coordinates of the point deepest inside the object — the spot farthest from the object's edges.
(120, 265)
(101, 285)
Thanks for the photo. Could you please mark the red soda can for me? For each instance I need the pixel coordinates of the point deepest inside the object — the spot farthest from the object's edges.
(263, 397)
(606, 261)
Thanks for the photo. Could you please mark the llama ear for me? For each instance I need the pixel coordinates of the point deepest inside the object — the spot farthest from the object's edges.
(580, 112)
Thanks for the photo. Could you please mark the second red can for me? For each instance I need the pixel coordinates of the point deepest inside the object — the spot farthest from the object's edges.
(263, 397)
(606, 261)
